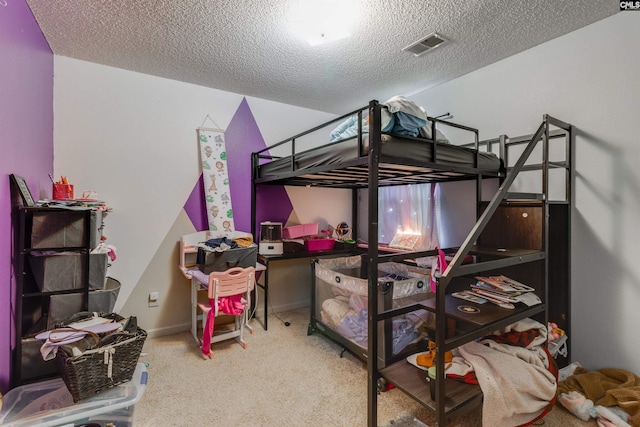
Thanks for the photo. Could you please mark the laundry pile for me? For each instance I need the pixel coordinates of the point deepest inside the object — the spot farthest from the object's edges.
(610, 395)
(516, 373)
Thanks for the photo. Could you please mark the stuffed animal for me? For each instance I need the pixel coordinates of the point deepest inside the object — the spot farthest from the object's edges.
(554, 333)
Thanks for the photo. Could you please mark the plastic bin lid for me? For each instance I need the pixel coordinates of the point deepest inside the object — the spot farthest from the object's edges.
(49, 403)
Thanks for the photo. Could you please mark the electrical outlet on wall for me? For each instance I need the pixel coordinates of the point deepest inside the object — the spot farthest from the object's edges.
(153, 299)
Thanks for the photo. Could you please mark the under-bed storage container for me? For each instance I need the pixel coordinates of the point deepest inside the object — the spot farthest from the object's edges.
(340, 304)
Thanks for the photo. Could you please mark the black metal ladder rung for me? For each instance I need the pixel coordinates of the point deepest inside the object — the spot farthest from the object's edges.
(524, 196)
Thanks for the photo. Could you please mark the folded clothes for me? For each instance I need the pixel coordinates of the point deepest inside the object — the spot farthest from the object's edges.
(71, 334)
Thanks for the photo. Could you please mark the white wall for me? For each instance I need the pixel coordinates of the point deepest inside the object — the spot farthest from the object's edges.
(132, 138)
(589, 79)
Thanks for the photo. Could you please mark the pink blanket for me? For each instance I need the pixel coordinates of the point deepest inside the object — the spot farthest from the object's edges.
(233, 305)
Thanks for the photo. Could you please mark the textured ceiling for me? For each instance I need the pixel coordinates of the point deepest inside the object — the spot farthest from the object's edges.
(250, 47)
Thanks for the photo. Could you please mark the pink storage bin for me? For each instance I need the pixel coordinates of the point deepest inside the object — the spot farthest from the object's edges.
(298, 231)
(320, 244)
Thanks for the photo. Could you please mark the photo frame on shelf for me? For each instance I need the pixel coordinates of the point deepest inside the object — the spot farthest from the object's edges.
(23, 189)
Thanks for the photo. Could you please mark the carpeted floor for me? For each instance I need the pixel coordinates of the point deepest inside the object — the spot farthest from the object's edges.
(283, 378)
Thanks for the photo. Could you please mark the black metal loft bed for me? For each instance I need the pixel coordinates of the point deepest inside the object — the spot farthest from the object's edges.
(375, 159)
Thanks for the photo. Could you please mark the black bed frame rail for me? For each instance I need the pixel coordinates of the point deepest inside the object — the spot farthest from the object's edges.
(454, 268)
(357, 167)
(373, 129)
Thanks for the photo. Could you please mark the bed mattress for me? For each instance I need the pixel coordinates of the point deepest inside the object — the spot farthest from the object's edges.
(394, 149)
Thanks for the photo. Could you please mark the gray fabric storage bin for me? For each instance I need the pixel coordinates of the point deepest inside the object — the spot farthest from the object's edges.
(63, 306)
(103, 300)
(65, 229)
(224, 260)
(98, 271)
(32, 364)
(57, 271)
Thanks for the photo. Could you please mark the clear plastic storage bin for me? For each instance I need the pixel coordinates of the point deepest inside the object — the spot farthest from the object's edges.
(49, 403)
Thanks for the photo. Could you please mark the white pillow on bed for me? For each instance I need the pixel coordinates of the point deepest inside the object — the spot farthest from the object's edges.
(404, 105)
(425, 132)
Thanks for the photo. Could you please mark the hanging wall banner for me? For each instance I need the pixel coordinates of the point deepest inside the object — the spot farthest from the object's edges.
(216, 181)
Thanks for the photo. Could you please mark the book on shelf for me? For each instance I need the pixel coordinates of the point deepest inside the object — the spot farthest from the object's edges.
(468, 296)
(497, 301)
(503, 284)
(500, 290)
(493, 294)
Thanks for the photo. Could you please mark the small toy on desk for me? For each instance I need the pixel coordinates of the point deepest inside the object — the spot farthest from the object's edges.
(343, 231)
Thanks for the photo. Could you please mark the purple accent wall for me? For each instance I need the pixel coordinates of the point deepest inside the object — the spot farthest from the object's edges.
(196, 208)
(242, 137)
(26, 139)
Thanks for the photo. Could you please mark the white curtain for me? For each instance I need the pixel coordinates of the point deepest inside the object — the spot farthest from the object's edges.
(409, 209)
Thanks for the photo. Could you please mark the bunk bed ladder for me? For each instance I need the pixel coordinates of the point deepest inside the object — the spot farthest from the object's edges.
(501, 195)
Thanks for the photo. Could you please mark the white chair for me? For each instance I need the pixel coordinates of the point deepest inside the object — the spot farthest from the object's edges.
(229, 293)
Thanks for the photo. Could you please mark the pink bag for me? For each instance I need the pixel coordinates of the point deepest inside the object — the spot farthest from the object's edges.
(439, 266)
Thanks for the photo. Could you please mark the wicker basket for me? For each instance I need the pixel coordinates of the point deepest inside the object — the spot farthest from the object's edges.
(108, 365)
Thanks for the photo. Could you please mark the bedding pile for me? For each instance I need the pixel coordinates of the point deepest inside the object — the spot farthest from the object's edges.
(515, 372)
(585, 393)
(401, 117)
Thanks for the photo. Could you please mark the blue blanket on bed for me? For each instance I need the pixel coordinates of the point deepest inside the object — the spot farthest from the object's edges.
(398, 123)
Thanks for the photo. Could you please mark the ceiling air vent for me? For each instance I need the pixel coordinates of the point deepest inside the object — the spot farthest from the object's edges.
(425, 45)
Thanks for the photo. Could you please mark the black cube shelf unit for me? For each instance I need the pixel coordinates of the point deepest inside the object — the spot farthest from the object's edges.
(53, 269)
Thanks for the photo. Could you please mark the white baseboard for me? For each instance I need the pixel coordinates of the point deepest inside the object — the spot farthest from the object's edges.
(281, 308)
(169, 330)
(259, 314)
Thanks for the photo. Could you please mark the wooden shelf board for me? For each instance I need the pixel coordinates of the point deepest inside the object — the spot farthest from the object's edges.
(413, 381)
